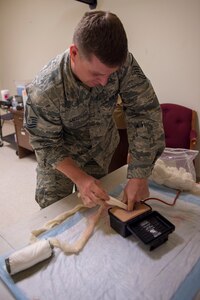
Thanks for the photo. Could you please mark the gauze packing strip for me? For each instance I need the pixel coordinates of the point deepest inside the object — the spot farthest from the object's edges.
(41, 250)
(28, 256)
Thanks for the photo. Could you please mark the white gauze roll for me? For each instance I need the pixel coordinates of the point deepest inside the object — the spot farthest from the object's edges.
(28, 256)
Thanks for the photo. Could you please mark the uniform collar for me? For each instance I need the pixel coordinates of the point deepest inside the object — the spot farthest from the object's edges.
(72, 84)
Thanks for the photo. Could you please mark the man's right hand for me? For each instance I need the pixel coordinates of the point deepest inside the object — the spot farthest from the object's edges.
(91, 191)
(90, 188)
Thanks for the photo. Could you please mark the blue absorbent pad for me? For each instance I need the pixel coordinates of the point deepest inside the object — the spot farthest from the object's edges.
(113, 267)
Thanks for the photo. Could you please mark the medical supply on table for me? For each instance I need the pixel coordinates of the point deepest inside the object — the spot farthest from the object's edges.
(14, 103)
(41, 250)
(5, 94)
(149, 226)
(28, 256)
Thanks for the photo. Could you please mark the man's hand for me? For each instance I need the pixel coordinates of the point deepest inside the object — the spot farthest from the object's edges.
(136, 190)
(91, 191)
(90, 188)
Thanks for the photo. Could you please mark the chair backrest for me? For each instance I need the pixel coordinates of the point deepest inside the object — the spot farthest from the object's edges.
(179, 126)
(179, 123)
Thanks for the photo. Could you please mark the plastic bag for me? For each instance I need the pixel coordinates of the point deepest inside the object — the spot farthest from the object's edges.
(180, 158)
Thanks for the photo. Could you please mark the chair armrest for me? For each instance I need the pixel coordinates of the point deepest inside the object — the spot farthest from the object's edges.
(193, 137)
(193, 134)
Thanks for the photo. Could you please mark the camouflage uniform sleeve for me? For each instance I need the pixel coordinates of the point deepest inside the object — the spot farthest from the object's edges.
(43, 122)
(143, 118)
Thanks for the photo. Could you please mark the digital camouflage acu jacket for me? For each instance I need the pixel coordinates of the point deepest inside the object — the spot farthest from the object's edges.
(64, 118)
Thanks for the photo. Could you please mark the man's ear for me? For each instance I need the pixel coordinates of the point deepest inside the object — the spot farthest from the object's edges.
(73, 52)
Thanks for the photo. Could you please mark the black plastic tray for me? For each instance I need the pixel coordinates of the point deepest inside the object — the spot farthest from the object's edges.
(152, 230)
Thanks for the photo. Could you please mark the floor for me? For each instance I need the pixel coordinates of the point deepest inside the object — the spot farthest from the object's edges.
(18, 180)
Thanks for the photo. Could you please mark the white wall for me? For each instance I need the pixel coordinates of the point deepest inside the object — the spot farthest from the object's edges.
(33, 32)
(163, 36)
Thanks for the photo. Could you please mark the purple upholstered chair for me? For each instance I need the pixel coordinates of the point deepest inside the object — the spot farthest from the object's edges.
(179, 126)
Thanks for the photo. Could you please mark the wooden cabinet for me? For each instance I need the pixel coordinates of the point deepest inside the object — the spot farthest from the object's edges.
(22, 136)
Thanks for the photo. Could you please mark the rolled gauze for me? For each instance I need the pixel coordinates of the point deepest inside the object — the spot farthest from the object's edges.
(28, 256)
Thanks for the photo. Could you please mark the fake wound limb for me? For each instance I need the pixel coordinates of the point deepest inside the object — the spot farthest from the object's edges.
(28, 256)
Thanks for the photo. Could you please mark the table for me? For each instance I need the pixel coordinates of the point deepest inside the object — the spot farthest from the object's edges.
(182, 244)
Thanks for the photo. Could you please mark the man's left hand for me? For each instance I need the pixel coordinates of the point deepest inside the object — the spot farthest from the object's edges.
(135, 190)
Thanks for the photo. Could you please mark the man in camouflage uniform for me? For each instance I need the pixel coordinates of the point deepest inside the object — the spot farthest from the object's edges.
(69, 115)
